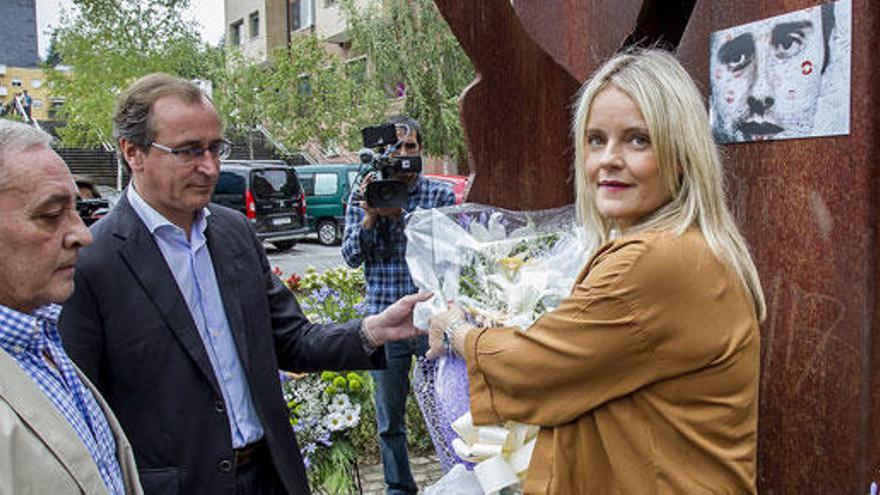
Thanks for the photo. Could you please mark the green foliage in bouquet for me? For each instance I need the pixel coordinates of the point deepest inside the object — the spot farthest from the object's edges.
(486, 282)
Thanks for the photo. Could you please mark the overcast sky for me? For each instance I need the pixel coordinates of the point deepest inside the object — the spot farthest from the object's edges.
(209, 14)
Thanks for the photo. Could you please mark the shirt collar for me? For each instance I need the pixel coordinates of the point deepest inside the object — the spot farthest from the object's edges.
(17, 328)
(154, 220)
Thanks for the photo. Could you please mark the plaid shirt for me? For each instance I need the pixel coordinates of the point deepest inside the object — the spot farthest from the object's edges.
(382, 249)
(27, 338)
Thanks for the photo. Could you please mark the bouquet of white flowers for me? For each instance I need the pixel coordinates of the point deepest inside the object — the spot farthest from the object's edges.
(503, 268)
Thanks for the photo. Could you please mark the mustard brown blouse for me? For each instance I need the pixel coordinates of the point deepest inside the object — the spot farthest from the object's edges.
(644, 380)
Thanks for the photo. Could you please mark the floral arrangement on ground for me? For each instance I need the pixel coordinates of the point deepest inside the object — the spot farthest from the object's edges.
(332, 413)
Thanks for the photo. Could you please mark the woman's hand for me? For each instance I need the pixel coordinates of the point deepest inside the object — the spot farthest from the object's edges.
(451, 322)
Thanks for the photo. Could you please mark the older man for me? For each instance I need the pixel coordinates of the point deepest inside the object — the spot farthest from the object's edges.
(56, 433)
(180, 322)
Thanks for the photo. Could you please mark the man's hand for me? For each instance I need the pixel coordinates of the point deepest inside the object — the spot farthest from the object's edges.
(371, 215)
(395, 323)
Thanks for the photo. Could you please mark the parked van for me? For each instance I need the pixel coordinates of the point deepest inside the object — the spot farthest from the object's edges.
(269, 194)
(327, 188)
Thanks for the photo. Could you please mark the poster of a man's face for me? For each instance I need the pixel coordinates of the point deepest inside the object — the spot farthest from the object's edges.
(783, 77)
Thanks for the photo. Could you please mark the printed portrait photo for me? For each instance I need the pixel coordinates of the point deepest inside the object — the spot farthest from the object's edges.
(783, 77)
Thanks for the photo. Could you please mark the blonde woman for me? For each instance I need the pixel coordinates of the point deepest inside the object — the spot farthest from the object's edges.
(645, 379)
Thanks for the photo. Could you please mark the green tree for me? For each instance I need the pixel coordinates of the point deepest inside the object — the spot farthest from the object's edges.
(411, 48)
(110, 43)
(53, 58)
(302, 94)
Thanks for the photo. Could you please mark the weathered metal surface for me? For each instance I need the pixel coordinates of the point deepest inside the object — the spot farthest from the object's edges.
(516, 113)
(808, 207)
(809, 210)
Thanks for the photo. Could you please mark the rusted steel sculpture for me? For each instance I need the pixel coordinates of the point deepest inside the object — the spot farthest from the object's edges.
(809, 207)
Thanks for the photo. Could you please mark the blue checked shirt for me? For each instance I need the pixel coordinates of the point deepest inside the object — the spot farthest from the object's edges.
(27, 338)
(382, 249)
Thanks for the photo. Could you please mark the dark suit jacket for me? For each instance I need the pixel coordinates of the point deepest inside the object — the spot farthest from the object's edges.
(128, 327)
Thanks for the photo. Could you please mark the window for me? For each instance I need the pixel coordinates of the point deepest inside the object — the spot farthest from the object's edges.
(352, 176)
(36, 83)
(300, 14)
(330, 3)
(307, 181)
(325, 185)
(273, 183)
(16, 83)
(235, 32)
(37, 103)
(254, 22)
(230, 183)
(54, 108)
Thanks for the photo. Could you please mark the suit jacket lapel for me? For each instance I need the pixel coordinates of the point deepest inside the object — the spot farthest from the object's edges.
(142, 255)
(40, 414)
(227, 263)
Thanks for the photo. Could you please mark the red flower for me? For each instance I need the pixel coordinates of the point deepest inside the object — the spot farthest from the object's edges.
(292, 282)
(277, 271)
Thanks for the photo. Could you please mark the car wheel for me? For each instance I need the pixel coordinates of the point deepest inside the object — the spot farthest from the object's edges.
(284, 245)
(327, 234)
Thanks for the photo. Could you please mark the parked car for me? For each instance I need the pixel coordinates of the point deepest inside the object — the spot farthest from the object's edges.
(460, 184)
(91, 210)
(327, 188)
(269, 194)
(89, 203)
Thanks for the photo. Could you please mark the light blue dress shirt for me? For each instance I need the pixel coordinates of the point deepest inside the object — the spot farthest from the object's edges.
(190, 263)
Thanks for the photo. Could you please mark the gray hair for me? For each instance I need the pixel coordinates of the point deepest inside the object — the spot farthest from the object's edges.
(16, 137)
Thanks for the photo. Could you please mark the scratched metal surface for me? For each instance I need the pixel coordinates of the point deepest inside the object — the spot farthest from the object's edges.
(808, 207)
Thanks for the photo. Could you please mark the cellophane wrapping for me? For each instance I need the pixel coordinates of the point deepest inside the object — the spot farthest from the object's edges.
(504, 268)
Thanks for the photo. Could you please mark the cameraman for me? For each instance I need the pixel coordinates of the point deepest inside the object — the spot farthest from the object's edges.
(374, 237)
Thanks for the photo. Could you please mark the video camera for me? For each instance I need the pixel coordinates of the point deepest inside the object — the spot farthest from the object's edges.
(386, 191)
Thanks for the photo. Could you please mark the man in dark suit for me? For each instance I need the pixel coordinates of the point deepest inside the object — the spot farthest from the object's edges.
(179, 321)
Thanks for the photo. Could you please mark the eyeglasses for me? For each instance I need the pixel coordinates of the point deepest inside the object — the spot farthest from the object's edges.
(219, 149)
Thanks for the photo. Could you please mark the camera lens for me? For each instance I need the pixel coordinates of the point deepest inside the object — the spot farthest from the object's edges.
(386, 193)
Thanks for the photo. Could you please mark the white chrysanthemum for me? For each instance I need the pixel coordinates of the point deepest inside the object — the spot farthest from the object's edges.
(335, 422)
(352, 416)
(340, 400)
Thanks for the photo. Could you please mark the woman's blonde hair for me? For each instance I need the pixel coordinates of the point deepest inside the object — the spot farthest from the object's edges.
(687, 156)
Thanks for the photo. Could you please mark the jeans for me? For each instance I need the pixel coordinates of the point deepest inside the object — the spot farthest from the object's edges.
(392, 387)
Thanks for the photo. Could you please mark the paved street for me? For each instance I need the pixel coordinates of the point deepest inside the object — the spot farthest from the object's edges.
(307, 252)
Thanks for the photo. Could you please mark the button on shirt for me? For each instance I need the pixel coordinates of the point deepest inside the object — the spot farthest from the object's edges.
(190, 262)
(33, 339)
